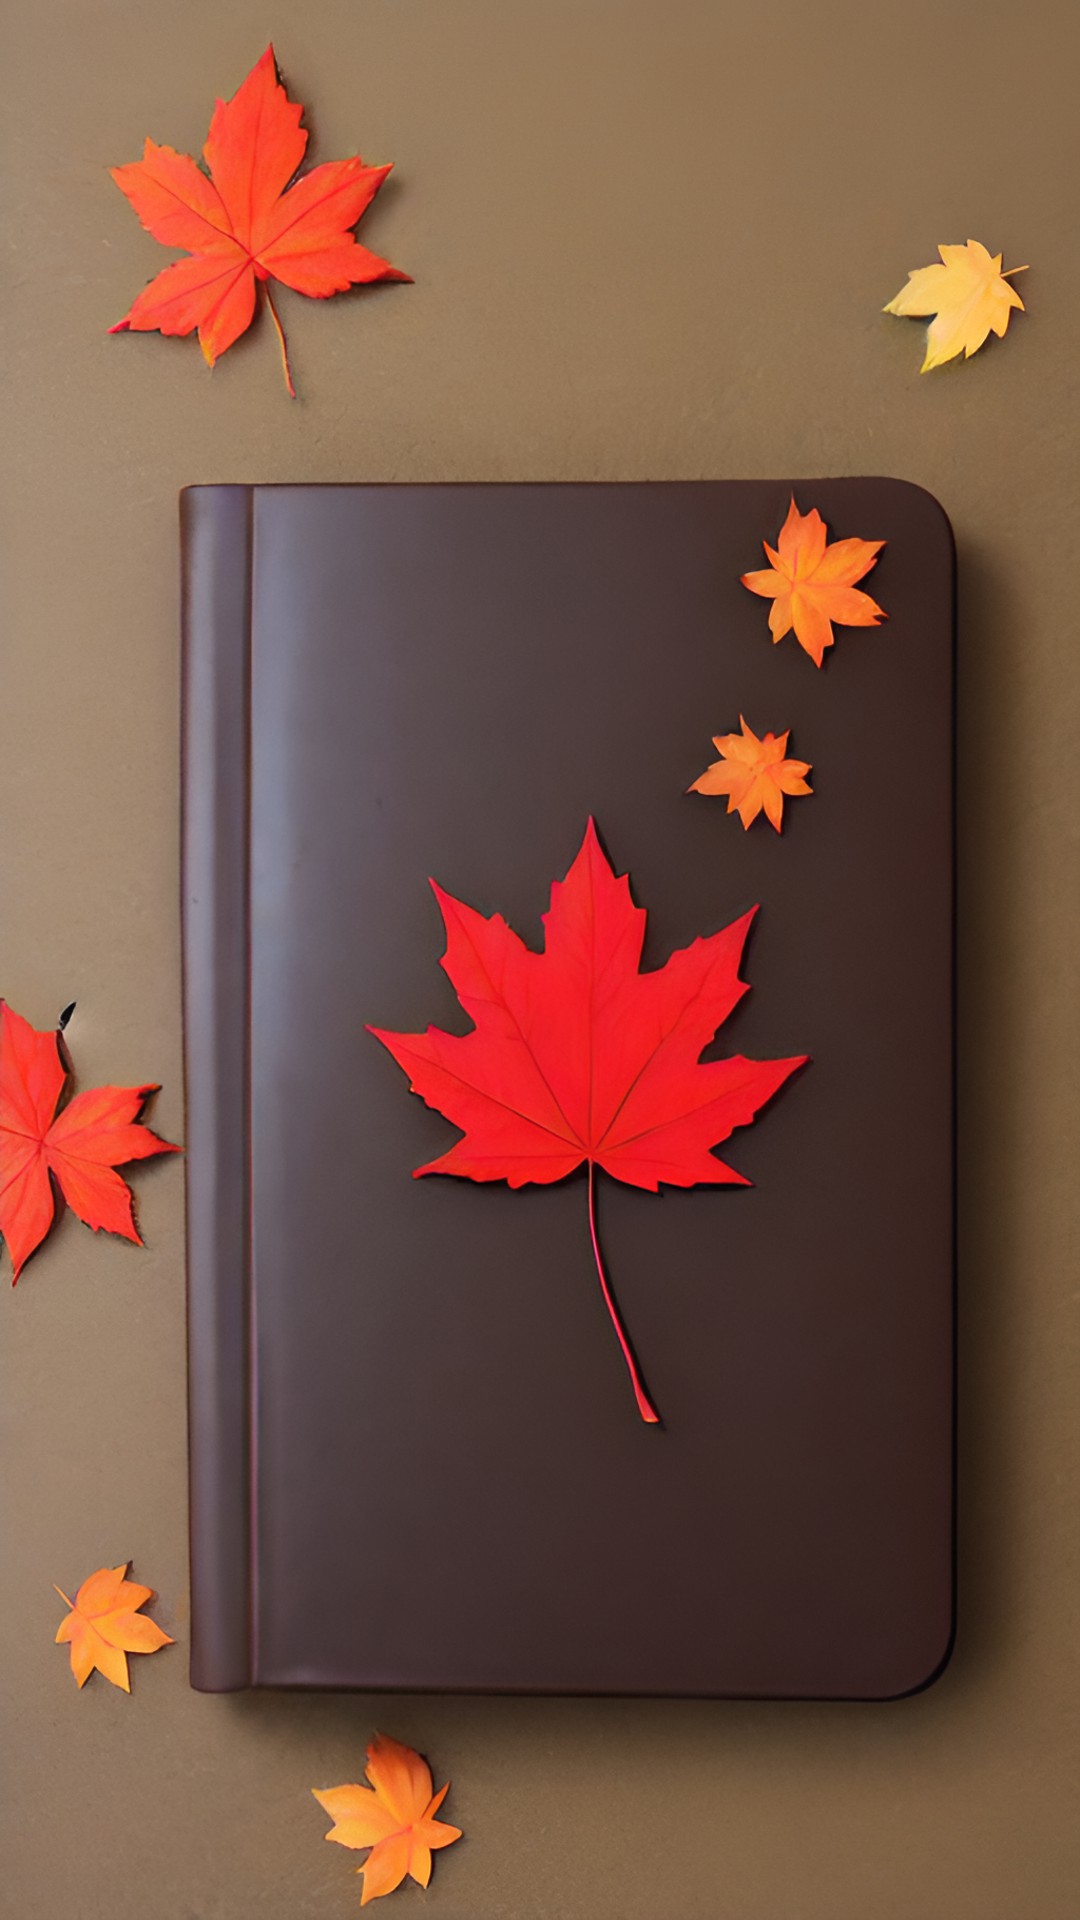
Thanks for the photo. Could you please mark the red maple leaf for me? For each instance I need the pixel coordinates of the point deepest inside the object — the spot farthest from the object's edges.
(241, 227)
(576, 1055)
(80, 1145)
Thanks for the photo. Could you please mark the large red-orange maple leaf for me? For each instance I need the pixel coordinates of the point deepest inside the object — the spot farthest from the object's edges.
(576, 1055)
(240, 226)
(81, 1145)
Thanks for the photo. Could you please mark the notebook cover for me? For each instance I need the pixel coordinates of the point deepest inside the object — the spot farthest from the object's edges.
(415, 1460)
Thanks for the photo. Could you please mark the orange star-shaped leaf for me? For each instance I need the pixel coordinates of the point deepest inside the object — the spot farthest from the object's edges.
(395, 1817)
(755, 774)
(80, 1145)
(105, 1625)
(812, 584)
(244, 225)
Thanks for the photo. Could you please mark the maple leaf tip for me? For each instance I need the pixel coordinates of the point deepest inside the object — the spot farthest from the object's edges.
(593, 841)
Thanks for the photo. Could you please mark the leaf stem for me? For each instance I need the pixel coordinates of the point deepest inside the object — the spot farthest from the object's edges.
(280, 331)
(644, 1404)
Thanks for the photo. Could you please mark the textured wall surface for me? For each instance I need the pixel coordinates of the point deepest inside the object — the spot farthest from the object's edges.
(647, 242)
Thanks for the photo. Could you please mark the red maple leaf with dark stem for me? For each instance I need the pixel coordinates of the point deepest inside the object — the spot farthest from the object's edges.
(576, 1055)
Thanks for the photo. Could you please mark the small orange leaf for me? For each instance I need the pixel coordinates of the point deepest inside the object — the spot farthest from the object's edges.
(754, 774)
(395, 1817)
(79, 1144)
(105, 1625)
(812, 584)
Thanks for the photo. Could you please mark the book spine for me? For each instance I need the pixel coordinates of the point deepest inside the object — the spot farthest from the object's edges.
(216, 549)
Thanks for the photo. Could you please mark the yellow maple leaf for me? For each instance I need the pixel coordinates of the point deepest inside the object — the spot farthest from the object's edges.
(970, 296)
(755, 774)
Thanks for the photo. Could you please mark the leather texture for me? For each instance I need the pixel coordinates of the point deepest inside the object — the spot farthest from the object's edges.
(416, 1462)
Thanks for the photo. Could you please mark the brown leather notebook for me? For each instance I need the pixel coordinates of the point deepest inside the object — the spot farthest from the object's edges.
(415, 1459)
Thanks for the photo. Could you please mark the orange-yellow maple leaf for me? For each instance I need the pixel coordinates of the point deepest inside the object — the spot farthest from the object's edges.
(970, 296)
(79, 1145)
(395, 1817)
(811, 584)
(755, 774)
(243, 224)
(105, 1625)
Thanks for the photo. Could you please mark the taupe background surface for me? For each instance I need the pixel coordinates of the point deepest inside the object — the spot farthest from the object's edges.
(648, 242)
